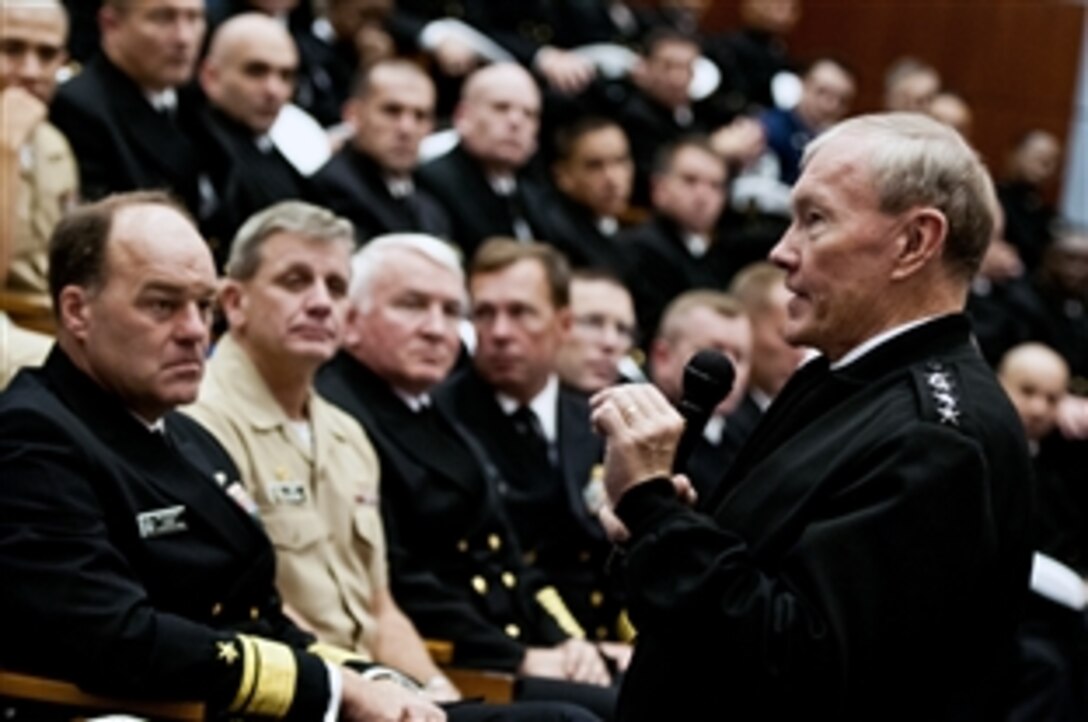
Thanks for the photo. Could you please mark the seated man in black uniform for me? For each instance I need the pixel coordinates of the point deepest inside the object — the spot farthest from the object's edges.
(131, 561)
(248, 78)
(455, 562)
(371, 180)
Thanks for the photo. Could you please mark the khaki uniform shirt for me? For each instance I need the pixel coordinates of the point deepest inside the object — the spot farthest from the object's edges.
(19, 348)
(48, 187)
(320, 508)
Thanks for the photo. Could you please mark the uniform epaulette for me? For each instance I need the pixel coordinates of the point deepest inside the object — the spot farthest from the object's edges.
(938, 389)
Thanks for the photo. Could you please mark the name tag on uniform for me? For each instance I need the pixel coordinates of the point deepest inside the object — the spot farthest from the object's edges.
(288, 492)
(160, 522)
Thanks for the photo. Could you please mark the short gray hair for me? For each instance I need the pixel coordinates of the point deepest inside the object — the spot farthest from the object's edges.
(918, 161)
(369, 261)
(303, 219)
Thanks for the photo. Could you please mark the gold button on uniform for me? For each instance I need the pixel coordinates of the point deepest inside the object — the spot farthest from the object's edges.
(529, 557)
(217, 609)
(479, 584)
(493, 542)
(584, 556)
(602, 632)
(462, 546)
(512, 630)
(509, 580)
(596, 598)
(254, 613)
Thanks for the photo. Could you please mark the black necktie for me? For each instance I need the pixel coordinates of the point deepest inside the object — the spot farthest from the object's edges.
(529, 428)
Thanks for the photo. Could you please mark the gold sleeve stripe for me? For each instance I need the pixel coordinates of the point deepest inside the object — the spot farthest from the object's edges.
(336, 655)
(269, 678)
(249, 675)
(625, 630)
(554, 605)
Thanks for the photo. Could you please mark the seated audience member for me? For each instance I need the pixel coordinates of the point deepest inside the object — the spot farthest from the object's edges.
(37, 171)
(754, 55)
(659, 110)
(1054, 304)
(593, 172)
(696, 321)
(137, 570)
(247, 76)
(602, 331)
(313, 90)
(455, 562)
(129, 122)
(308, 467)
(1000, 278)
(534, 431)
(679, 248)
(1029, 217)
(371, 180)
(827, 94)
(1053, 681)
(952, 110)
(761, 289)
(910, 86)
(484, 183)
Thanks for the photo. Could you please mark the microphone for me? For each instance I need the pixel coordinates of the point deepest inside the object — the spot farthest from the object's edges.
(708, 378)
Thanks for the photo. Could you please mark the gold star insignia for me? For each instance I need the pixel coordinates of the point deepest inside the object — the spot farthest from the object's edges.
(227, 652)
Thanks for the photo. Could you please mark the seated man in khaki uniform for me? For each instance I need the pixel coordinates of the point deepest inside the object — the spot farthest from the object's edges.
(311, 471)
(37, 170)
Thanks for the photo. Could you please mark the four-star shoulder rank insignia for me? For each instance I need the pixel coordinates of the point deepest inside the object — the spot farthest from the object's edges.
(944, 395)
(227, 652)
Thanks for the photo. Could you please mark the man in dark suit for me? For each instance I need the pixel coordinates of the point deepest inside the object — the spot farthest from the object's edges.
(868, 555)
(248, 76)
(456, 565)
(125, 115)
(535, 432)
(132, 565)
(484, 183)
(371, 180)
(679, 248)
(696, 321)
(593, 172)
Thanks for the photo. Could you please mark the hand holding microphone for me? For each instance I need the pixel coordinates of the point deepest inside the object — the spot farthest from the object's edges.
(647, 438)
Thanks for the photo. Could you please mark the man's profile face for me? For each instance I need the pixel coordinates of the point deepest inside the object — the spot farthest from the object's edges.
(32, 48)
(599, 172)
(254, 79)
(407, 330)
(393, 118)
(499, 123)
(602, 333)
(838, 252)
(518, 328)
(703, 329)
(294, 306)
(692, 191)
(156, 41)
(144, 333)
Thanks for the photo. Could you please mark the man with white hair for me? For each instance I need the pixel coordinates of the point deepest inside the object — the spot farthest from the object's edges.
(455, 564)
(868, 554)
